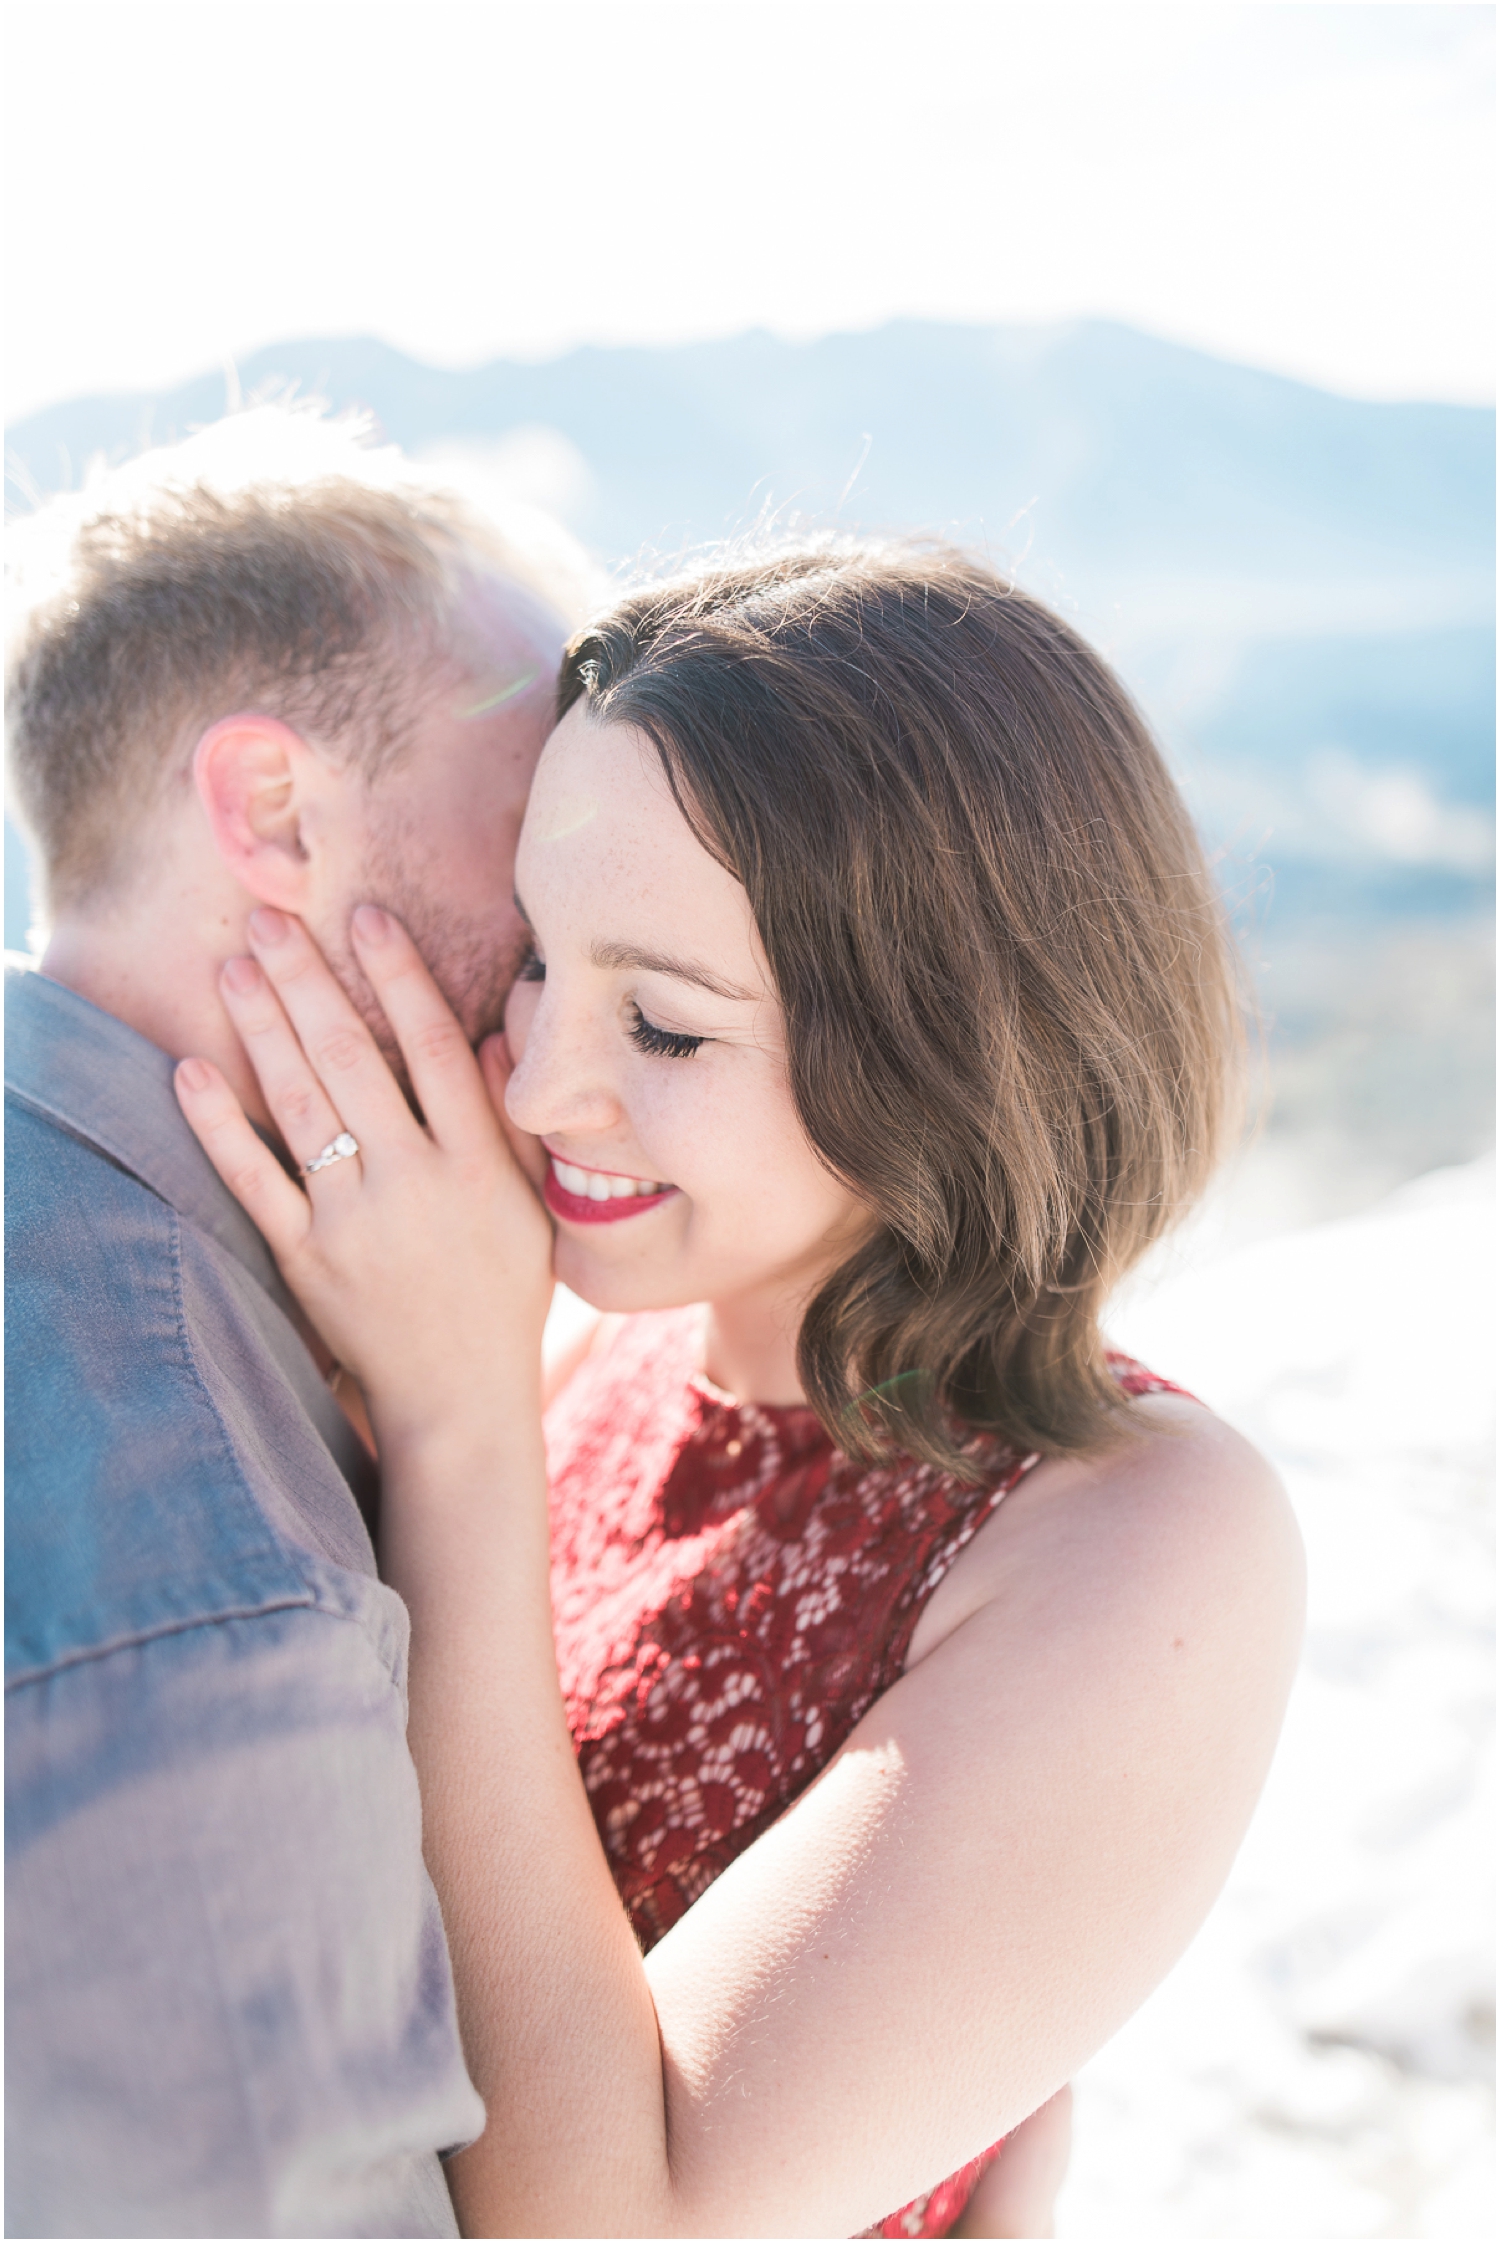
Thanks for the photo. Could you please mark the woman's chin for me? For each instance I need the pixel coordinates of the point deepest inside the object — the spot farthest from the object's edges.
(619, 1288)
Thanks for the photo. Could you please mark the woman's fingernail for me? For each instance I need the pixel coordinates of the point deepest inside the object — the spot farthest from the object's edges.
(193, 1075)
(371, 924)
(268, 926)
(242, 975)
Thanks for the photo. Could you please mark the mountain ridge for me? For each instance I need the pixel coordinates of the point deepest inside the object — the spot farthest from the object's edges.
(1122, 450)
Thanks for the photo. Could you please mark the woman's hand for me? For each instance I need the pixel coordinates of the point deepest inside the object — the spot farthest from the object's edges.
(425, 1260)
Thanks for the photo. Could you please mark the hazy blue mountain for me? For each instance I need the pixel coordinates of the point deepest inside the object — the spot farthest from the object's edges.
(1299, 587)
(1097, 449)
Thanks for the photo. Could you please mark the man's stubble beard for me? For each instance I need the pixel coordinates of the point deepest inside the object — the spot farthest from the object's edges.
(473, 968)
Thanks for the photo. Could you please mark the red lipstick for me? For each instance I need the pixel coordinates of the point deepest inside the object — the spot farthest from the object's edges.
(578, 1207)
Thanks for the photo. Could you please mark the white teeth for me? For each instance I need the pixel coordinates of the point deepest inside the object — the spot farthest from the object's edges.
(589, 1183)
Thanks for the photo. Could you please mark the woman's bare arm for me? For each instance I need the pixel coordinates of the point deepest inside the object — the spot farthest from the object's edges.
(1015, 1845)
(1012, 1848)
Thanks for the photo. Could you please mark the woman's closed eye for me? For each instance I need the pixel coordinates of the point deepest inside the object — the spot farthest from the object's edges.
(662, 1043)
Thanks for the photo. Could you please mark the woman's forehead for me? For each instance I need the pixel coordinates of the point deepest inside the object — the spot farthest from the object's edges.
(598, 777)
(604, 831)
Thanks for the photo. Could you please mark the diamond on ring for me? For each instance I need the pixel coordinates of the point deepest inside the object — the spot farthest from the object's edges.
(343, 1147)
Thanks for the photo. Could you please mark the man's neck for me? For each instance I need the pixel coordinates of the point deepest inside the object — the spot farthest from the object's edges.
(161, 978)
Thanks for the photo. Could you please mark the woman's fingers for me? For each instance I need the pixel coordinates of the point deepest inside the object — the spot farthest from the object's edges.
(441, 1065)
(363, 1094)
(248, 1167)
(299, 1105)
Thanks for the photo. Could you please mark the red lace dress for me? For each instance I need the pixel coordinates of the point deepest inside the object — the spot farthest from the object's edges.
(730, 1595)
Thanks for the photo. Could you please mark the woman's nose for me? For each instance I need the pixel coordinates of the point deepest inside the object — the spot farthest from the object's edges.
(559, 1083)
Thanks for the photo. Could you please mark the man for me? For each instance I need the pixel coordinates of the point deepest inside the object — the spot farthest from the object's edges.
(267, 666)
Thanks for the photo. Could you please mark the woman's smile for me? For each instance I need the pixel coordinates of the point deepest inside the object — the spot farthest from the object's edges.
(597, 1195)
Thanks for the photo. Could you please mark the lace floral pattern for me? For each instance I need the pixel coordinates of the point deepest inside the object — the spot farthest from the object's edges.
(731, 1594)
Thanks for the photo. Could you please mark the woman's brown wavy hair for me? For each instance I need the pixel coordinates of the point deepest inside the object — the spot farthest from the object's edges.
(1011, 1007)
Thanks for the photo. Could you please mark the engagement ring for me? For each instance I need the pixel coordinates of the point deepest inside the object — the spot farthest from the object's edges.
(343, 1147)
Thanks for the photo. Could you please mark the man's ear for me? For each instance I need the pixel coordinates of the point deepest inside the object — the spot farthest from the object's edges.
(252, 776)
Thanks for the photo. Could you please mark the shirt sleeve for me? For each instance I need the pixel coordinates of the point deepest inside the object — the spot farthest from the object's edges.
(230, 2010)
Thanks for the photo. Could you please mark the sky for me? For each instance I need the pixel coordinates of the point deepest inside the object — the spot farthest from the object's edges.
(1304, 188)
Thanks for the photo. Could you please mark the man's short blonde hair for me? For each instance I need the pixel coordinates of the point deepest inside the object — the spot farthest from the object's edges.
(278, 560)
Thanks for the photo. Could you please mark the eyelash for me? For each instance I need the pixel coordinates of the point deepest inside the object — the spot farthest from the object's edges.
(661, 1043)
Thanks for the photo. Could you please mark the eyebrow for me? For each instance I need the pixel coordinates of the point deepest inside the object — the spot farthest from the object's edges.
(616, 957)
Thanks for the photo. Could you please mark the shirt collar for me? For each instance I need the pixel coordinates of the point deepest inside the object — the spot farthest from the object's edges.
(101, 1081)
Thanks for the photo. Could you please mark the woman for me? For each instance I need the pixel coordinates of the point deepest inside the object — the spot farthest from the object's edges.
(879, 1001)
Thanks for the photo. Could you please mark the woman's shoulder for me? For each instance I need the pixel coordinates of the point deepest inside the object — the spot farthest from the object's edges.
(1180, 1506)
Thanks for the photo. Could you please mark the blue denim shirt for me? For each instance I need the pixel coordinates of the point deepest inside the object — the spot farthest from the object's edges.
(229, 1998)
